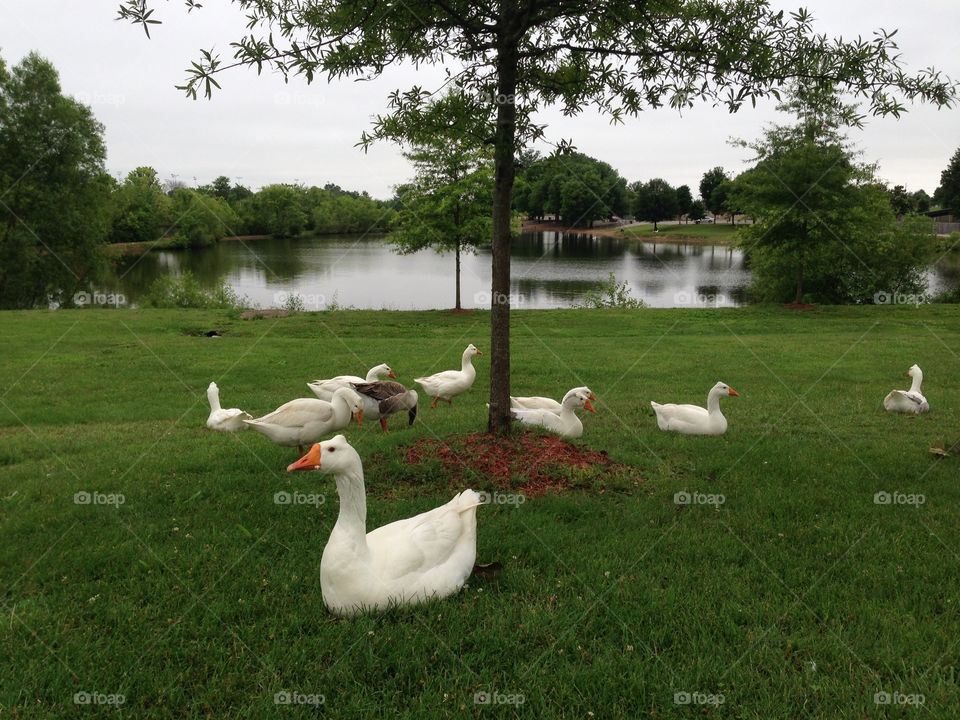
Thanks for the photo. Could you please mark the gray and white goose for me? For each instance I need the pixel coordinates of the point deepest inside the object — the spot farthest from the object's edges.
(383, 398)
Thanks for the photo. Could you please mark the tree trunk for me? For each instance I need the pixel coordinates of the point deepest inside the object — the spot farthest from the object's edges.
(458, 276)
(503, 168)
(798, 298)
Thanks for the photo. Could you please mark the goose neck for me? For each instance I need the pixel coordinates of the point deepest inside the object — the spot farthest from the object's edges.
(352, 519)
(713, 402)
(917, 381)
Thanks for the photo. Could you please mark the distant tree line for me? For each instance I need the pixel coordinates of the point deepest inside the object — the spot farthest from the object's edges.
(144, 210)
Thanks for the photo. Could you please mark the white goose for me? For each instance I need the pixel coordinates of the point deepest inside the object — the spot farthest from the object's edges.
(693, 419)
(448, 384)
(406, 562)
(909, 401)
(305, 420)
(324, 389)
(544, 403)
(224, 420)
(566, 422)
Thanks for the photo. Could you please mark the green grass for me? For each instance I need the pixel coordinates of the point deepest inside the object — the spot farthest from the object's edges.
(721, 233)
(199, 597)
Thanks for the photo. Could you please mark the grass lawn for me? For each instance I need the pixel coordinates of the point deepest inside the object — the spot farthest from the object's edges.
(198, 596)
(721, 233)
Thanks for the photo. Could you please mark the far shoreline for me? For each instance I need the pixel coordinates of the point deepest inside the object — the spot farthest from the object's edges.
(629, 232)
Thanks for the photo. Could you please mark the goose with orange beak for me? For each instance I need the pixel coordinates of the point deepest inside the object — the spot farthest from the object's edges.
(304, 421)
(565, 423)
(406, 562)
(545, 403)
(693, 419)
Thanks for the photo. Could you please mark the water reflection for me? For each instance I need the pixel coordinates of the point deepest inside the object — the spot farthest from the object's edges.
(548, 270)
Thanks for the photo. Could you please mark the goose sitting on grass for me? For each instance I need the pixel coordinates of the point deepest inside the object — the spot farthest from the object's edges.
(383, 399)
(448, 384)
(305, 420)
(324, 389)
(565, 423)
(909, 401)
(693, 419)
(406, 562)
(545, 403)
(224, 420)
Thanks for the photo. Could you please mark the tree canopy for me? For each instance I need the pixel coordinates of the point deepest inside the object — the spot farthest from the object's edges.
(54, 191)
(711, 180)
(948, 194)
(825, 228)
(573, 187)
(654, 201)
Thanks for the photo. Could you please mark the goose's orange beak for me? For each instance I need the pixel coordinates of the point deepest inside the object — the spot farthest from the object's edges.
(733, 393)
(358, 416)
(310, 461)
(589, 406)
(392, 374)
(479, 352)
(593, 395)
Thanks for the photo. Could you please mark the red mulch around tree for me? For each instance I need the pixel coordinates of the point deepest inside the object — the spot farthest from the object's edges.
(531, 458)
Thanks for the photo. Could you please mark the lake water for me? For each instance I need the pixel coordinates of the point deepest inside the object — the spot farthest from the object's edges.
(549, 270)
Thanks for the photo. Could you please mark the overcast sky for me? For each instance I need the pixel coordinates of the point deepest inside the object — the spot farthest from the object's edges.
(259, 130)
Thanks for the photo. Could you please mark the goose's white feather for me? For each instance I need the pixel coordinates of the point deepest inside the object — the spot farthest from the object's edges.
(545, 403)
(912, 401)
(693, 419)
(305, 420)
(224, 419)
(566, 422)
(448, 384)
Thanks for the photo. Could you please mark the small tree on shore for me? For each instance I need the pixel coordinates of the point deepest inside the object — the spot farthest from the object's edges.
(654, 201)
(447, 206)
(684, 201)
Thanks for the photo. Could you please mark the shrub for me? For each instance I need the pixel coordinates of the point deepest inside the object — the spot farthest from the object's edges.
(183, 291)
(612, 294)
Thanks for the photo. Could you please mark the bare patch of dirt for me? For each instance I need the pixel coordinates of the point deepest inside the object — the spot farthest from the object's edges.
(532, 463)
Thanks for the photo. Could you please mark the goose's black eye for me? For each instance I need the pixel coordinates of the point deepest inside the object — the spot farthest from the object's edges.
(331, 449)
